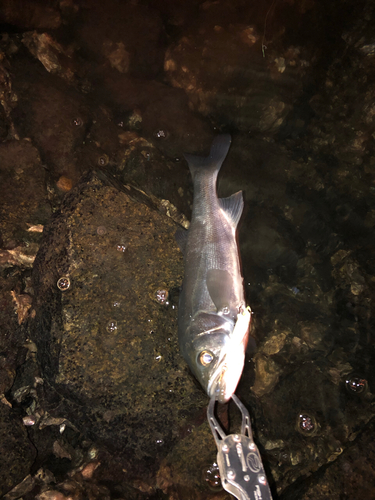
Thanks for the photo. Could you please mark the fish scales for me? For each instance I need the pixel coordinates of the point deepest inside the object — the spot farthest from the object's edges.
(211, 339)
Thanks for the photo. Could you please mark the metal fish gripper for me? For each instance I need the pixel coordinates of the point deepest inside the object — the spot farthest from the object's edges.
(240, 465)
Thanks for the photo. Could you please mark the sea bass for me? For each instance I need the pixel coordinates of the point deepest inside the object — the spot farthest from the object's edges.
(213, 320)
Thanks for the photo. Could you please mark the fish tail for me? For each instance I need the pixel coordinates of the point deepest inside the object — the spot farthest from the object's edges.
(219, 149)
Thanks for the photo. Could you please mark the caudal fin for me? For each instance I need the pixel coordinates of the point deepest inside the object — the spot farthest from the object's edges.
(219, 150)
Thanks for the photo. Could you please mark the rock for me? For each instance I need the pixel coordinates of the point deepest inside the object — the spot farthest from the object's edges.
(30, 15)
(222, 70)
(104, 341)
(352, 475)
(124, 36)
(166, 120)
(55, 116)
(12, 336)
(16, 451)
(23, 198)
(22, 205)
(185, 472)
(54, 57)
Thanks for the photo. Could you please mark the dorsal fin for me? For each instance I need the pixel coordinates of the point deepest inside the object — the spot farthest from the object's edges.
(219, 149)
(233, 206)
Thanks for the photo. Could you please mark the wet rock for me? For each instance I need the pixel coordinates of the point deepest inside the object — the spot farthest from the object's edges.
(308, 282)
(22, 205)
(23, 14)
(12, 336)
(125, 35)
(176, 14)
(315, 415)
(8, 96)
(21, 489)
(266, 375)
(229, 56)
(56, 118)
(185, 472)
(167, 120)
(351, 476)
(23, 198)
(104, 342)
(54, 57)
(16, 452)
(142, 165)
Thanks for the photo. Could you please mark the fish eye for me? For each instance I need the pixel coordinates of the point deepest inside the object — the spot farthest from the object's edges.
(205, 358)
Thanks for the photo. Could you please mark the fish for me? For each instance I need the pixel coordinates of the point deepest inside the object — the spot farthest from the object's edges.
(213, 319)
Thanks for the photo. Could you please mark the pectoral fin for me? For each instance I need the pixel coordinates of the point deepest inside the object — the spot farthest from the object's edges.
(219, 285)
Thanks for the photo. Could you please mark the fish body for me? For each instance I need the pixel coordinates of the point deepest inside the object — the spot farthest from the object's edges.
(213, 319)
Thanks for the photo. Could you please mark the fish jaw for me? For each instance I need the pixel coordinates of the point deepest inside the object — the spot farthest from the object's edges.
(225, 378)
(217, 354)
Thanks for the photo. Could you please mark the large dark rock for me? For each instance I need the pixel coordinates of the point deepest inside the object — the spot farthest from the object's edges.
(16, 451)
(226, 77)
(123, 35)
(105, 342)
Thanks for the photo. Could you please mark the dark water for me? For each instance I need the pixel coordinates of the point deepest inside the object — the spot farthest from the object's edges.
(123, 89)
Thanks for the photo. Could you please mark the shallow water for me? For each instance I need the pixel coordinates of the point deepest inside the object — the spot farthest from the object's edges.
(123, 89)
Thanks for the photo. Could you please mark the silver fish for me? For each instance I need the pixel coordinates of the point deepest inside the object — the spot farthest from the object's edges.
(213, 322)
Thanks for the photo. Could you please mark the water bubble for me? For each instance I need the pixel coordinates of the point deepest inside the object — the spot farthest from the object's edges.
(306, 424)
(93, 453)
(225, 310)
(355, 384)
(63, 283)
(158, 358)
(162, 296)
(211, 475)
(116, 303)
(120, 247)
(77, 122)
(29, 420)
(284, 457)
(161, 134)
(101, 230)
(111, 326)
(103, 160)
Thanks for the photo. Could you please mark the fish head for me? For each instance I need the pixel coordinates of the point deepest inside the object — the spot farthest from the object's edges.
(217, 354)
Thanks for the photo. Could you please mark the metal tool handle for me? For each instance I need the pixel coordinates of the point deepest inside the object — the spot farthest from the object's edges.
(240, 465)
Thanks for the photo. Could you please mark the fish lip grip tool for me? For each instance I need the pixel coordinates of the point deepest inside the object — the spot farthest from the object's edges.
(240, 465)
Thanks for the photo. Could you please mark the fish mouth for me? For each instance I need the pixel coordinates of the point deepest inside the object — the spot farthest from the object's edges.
(225, 378)
(217, 388)
(227, 374)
